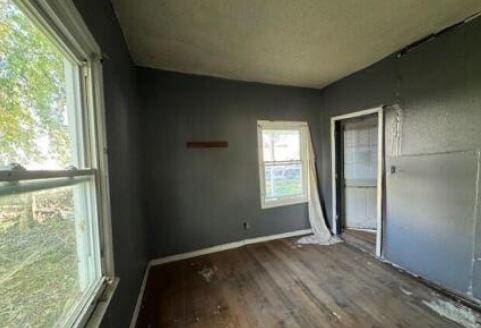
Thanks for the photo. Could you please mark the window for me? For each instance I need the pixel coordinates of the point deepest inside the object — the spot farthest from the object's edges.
(282, 149)
(55, 251)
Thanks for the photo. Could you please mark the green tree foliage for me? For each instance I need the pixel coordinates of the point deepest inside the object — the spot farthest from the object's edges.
(38, 253)
(33, 119)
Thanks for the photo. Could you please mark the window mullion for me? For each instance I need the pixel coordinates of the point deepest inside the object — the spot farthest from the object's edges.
(16, 176)
(19, 187)
(282, 162)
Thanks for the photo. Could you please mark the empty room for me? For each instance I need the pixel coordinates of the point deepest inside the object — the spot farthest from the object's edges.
(240, 163)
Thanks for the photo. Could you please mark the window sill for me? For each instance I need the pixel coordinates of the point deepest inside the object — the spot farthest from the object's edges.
(282, 203)
(102, 304)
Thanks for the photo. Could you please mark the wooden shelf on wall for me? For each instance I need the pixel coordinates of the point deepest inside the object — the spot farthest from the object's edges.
(207, 144)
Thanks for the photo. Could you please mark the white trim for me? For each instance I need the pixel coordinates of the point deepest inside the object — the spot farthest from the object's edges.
(64, 25)
(284, 202)
(220, 248)
(204, 251)
(140, 297)
(102, 304)
(280, 125)
(100, 157)
(283, 125)
(81, 311)
(357, 114)
(380, 167)
(335, 219)
(380, 174)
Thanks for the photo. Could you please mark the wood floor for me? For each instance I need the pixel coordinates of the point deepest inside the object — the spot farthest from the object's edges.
(363, 239)
(281, 284)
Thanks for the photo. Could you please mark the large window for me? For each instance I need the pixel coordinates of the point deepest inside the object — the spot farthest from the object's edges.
(282, 149)
(54, 252)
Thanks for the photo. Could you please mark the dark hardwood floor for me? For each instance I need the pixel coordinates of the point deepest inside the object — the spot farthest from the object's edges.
(281, 284)
(363, 239)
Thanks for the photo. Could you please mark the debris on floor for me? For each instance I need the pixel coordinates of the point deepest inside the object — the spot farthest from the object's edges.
(319, 240)
(338, 317)
(208, 273)
(405, 291)
(219, 309)
(455, 312)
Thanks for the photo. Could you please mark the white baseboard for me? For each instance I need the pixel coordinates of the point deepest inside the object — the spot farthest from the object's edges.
(224, 247)
(204, 251)
(133, 322)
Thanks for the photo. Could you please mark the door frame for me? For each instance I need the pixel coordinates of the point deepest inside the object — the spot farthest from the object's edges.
(380, 171)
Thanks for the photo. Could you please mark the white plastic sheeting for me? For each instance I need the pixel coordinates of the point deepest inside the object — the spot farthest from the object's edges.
(321, 234)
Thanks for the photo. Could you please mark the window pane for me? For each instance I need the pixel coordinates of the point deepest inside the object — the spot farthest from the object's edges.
(281, 145)
(283, 180)
(47, 259)
(360, 153)
(36, 129)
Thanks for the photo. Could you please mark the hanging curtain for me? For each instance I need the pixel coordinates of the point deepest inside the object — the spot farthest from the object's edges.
(321, 234)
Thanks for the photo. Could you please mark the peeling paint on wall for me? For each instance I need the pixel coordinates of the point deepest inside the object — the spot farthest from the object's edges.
(396, 146)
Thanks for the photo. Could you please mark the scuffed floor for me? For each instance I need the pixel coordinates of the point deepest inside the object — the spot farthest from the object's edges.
(279, 284)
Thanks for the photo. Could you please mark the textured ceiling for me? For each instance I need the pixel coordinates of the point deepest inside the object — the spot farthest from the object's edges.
(307, 43)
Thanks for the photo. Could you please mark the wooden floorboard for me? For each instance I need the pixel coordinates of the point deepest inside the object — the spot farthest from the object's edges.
(281, 284)
(365, 240)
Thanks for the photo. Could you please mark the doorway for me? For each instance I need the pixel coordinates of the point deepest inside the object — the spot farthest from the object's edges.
(357, 154)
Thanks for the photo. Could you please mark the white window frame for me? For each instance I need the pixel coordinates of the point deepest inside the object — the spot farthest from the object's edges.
(283, 125)
(63, 24)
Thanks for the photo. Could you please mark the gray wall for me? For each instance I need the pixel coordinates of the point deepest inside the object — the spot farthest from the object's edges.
(197, 198)
(122, 109)
(438, 87)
